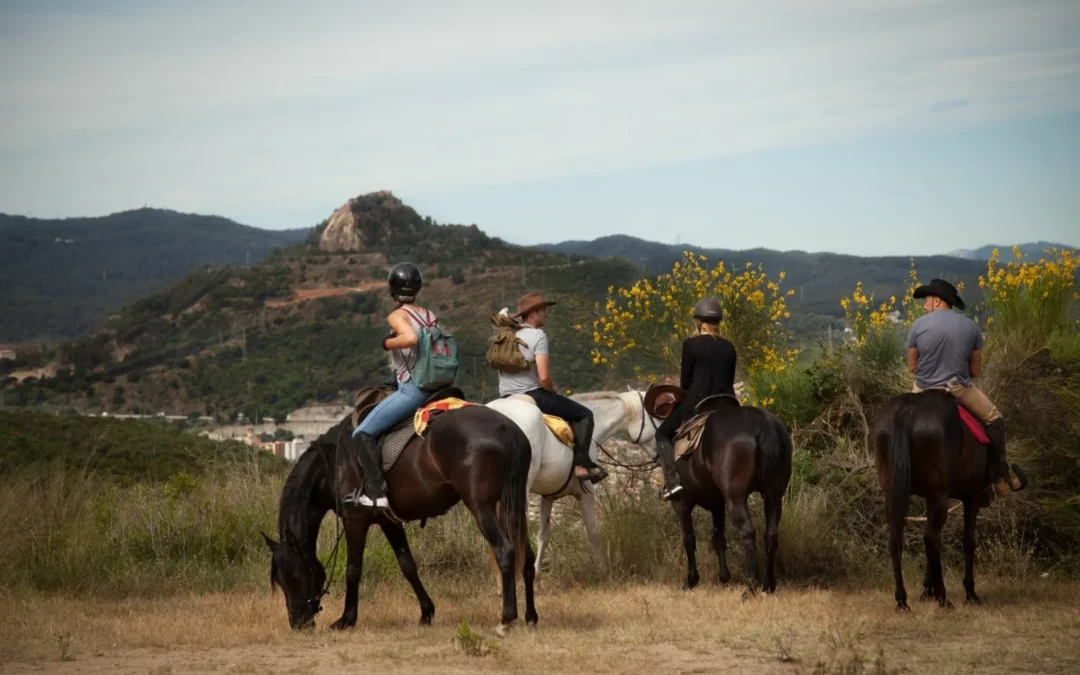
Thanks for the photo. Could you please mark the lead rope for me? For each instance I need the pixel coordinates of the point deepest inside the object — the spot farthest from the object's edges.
(641, 467)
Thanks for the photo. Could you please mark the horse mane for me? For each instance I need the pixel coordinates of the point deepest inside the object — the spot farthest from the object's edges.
(598, 396)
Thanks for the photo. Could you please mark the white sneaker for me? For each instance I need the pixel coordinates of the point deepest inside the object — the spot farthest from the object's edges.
(378, 503)
(668, 494)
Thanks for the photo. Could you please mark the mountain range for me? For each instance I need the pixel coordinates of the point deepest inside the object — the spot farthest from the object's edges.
(58, 278)
(303, 323)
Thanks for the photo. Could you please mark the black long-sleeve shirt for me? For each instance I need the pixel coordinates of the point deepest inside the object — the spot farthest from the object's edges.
(708, 367)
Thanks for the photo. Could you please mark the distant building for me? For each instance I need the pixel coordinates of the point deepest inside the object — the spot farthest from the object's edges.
(319, 413)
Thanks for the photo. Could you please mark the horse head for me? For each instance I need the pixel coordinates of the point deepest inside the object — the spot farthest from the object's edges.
(301, 578)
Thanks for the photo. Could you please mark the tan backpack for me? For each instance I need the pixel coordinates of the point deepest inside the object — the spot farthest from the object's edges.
(504, 353)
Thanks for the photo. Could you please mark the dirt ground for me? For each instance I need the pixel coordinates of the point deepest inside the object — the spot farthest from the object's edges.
(1027, 626)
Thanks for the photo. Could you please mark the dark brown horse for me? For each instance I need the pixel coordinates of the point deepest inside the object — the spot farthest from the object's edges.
(921, 447)
(474, 455)
(743, 450)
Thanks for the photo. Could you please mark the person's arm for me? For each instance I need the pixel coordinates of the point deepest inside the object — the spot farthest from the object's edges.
(975, 361)
(404, 336)
(543, 362)
(687, 366)
(912, 359)
(912, 350)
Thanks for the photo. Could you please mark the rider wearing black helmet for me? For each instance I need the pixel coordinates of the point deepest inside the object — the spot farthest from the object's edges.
(708, 369)
(405, 282)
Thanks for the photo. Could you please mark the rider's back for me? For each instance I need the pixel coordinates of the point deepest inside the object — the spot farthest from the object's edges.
(945, 340)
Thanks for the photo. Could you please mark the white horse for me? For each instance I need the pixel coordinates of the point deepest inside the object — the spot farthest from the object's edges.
(551, 474)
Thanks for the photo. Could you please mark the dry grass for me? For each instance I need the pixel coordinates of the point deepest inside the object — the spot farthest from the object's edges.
(1024, 626)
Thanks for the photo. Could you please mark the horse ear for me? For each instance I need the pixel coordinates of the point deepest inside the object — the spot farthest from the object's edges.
(270, 543)
(289, 540)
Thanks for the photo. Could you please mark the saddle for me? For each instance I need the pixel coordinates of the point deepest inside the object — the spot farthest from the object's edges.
(978, 431)
(556, 425)
(688, 436)
(393, 442)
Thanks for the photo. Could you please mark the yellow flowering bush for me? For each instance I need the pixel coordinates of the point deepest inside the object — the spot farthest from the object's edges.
(651, 318)
(1029, 299)
(864, 318)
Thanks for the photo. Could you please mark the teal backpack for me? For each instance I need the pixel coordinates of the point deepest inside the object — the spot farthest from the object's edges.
(436, 355)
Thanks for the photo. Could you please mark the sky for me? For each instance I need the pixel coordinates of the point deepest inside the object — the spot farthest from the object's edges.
(854, 126)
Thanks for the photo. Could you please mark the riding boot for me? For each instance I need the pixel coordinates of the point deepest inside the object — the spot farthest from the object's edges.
(370, 456)
(582, 441)
(1004, 483)
(665, 451)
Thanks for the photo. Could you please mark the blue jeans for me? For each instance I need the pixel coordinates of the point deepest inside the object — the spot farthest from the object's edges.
(395, 408)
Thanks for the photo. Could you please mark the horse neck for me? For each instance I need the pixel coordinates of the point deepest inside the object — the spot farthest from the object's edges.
(614, 413)
(305, 500)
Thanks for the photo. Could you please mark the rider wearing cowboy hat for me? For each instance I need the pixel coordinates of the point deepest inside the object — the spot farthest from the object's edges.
(708, 369)
(944, 351)
(536, 382)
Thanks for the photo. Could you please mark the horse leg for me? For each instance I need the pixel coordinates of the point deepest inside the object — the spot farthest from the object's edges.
(896, 548)
(719, 543)
(684, 509)
(504, 556)
(395, 534)
(937, 512)
(740, 517)
(971, 512)
(528, 574)
(543, 535)
(774, 507)
(588, 515)
(355, 541)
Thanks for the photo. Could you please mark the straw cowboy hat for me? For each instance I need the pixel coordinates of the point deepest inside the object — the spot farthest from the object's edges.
(939, 288)
(531, 302)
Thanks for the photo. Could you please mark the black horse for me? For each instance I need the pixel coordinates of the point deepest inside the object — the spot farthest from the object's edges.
(922, 447)
(743, 450)
(473, 454)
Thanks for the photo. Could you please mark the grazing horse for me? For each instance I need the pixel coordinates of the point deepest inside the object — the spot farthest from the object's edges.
(473, 454)
(551, 473)
(922, 447)
(742, 450)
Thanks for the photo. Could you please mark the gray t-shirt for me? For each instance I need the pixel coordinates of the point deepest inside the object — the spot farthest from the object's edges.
(945, 340)
(527, 380)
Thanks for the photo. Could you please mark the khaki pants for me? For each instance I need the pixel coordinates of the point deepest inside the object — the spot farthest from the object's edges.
(972, 399)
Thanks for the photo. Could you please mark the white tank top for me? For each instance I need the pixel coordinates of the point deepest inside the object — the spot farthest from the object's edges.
(402, 361)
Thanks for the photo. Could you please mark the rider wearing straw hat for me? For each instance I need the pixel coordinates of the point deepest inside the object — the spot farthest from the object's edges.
(945, 352)
(536, 382)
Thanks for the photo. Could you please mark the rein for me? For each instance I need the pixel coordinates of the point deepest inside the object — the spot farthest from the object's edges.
(647, 465)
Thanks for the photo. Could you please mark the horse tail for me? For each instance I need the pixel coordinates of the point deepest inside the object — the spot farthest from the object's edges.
(774, 453)
(900, 459)
(513, 501)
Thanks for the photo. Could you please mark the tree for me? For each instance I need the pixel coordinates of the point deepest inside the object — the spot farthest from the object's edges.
(650, 319)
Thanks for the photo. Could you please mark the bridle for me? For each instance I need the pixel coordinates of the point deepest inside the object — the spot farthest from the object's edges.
(646, 465)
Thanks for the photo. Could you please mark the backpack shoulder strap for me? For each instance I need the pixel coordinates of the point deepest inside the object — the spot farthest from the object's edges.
(416, 317)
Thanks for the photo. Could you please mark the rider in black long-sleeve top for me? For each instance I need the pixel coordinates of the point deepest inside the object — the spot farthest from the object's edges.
(708, 369)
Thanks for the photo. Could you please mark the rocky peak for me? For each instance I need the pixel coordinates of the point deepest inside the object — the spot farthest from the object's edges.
(368, 221)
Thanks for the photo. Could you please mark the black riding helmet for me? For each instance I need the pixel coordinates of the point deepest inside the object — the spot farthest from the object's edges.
(405, 281)
(708, 311)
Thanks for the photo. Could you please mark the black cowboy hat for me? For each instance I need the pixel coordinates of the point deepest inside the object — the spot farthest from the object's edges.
(661, 400)
(939, 288)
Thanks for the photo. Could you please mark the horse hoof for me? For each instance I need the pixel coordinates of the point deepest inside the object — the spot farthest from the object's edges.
(945, 604)
(531, 621)
(691, 582)
(973, 599)
(903, 607)
(425, 620)
(927, 595)
(749, 594)
(341, 624)
(503, 629)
